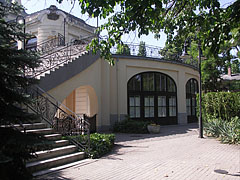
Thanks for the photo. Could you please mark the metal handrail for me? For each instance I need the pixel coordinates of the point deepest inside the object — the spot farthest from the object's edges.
(151, 52)
(63, 121)
(58, 102)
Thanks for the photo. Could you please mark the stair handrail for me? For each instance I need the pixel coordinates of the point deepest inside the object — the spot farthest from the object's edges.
(63, 122)
(58, 102)
(68, 47)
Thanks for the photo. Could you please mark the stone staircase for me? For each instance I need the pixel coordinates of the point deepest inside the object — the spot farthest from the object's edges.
(59, 153)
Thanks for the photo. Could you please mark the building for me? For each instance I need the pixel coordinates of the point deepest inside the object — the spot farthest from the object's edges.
(145, 88)
(229, 81)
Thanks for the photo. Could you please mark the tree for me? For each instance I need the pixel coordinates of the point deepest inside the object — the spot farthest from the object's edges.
(142, 49)
(211, 23)
(15, 147)
(123, 49)
(171, 52)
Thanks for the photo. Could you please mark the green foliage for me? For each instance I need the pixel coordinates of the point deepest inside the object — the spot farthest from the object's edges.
(100, 144)
(171, 51)
(13, 63)
(142, 49)
(222, 105)
(178, 19)
(131, 126)
(15, 147)
(226, 131)
(123, 49)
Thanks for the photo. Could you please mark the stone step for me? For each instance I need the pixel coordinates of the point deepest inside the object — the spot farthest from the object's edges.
(59, 143)
(46, 154)
(40, 131)
(31, 126)
(53, 137)
(54, 162)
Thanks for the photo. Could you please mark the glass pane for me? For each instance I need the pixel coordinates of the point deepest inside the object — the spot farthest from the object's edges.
(161, 111)
(172, 101)
(151, 113)
(188, 87)
(163, 83)
(196, 86)
(148, 81)
(145, 82)
(172, 111)
(137, 83)
(171, 86)
(193, 111)
(146, 101)
(131, 101)
(192, 86)
(132, 114)
(158, 83)
(161, 100)
(130, 85)
(188, 102)
(151, 102)
(137, 112)
(151, 81)
(188, 110)
(137, 100)
(193, 102)
(146, 112)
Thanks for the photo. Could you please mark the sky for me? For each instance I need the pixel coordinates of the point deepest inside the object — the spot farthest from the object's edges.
(36, 5)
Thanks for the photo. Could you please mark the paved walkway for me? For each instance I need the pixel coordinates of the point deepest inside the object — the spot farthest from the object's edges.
(175, 154)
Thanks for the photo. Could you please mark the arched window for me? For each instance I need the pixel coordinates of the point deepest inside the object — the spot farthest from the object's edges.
(152, 96)
(31, 43)
(191, 103)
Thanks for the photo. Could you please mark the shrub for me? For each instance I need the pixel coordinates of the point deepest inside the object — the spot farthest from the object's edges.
(131, 126)
(100, 144)
(222, 105)
(226, 131)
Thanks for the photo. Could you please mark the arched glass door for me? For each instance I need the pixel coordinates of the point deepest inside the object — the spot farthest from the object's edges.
(152, 96)
(191, 103)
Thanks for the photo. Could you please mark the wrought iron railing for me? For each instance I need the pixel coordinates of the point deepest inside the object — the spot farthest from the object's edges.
(58, 56)
(58, 116)
(48, 45)
(150, 51)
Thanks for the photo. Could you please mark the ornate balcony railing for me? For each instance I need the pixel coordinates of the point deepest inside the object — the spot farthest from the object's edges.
(48, 45)
(151, 52)
(58, 116)
(54, 54)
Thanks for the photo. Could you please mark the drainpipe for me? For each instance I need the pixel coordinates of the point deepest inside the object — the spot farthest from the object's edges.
(118, 118)
(229, 71)
(64, 31)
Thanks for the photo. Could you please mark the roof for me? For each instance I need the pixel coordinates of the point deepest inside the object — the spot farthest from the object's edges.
(70, 16)
(233, 77)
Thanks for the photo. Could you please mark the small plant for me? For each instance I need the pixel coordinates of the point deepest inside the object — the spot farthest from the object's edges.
(226, 132)
(100, 144)
(131, 126)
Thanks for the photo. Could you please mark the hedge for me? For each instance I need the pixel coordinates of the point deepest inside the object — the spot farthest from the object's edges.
(222, 105)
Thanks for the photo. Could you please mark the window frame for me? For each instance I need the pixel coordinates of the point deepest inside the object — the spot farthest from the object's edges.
(192, 94)
(160, 92)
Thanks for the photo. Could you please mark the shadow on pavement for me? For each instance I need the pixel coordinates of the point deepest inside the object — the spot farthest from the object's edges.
(165, 131)
(220, 171)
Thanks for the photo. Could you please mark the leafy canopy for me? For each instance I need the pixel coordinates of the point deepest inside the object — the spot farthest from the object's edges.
(212, 24)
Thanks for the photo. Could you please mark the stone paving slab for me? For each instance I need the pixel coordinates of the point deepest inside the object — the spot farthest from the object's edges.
(175, 154)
